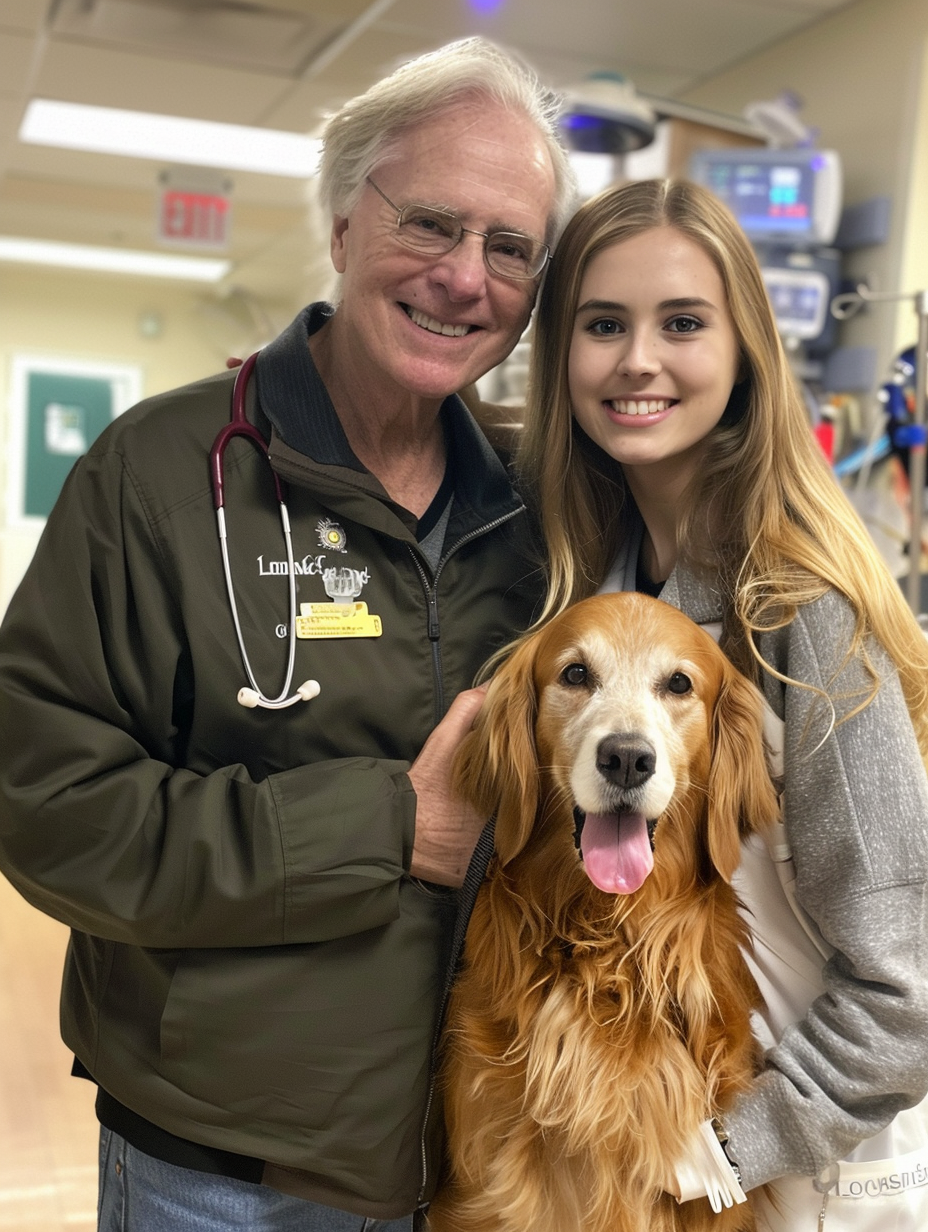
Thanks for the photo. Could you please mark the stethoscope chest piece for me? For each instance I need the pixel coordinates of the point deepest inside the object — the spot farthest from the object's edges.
(250, 698)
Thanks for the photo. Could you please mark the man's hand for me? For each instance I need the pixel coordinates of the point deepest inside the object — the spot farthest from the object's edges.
(447, 829)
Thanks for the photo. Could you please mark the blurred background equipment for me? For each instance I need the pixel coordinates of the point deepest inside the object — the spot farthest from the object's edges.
(605, 115)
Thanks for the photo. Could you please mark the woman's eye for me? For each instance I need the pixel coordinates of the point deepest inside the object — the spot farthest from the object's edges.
(605, 328)
(684, 325)
(679, 683)
(575, 674)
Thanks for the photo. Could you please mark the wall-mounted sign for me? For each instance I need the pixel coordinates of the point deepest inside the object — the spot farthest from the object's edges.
(198, 219)
(194, 208)
(58, 409)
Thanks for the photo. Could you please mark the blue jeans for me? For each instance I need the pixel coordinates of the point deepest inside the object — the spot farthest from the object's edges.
(141, 1194)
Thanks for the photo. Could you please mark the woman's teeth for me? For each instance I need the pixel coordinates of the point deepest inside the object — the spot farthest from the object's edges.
(622, 406)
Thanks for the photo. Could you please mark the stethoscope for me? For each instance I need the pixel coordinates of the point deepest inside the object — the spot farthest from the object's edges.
(239, 426)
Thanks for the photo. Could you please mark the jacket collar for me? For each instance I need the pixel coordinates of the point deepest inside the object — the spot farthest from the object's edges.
(309, 447)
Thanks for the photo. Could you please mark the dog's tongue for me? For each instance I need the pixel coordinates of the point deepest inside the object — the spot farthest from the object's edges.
(616, 851)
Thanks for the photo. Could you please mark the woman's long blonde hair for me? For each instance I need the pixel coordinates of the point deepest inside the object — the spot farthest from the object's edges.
(765, 512)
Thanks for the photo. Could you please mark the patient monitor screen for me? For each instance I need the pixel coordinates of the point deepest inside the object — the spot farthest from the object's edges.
(778, 196)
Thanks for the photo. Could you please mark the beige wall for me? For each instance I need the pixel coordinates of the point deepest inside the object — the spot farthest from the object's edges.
(861, 75)
(914, 260)
(98, 318)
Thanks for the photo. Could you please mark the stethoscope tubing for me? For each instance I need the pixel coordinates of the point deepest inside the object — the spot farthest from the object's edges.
(239, 426)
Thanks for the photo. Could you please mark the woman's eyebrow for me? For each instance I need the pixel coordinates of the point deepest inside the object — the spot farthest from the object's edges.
(601, 305)
(688, 301)
(610, 305)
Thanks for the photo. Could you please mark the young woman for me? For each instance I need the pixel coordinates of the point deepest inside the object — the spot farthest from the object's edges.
(667, 450)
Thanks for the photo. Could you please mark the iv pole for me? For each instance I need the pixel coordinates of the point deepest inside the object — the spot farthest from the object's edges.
(847, 305)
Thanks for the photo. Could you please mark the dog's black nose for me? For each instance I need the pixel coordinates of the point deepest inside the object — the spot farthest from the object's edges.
(625, 760)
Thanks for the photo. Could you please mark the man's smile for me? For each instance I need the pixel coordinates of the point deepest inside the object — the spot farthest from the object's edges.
(424, 321)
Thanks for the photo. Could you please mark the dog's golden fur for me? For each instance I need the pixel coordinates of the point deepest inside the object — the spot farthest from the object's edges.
(590, 1033)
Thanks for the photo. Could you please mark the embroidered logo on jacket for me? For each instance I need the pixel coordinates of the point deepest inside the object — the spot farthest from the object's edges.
(331, 535)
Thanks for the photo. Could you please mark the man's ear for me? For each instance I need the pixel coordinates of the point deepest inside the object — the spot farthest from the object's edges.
(338, 243)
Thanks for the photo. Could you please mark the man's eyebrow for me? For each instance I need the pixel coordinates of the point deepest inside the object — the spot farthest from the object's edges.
(493, 228)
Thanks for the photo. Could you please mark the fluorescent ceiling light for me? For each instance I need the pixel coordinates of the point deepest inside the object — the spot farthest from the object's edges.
(172, 139)
(112, 260)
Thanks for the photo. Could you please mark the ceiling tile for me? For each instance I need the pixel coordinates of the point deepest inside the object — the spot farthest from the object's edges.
(26, 15)
(664, 46)
(17, 52)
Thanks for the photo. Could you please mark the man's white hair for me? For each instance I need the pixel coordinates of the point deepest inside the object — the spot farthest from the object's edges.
(360, 134)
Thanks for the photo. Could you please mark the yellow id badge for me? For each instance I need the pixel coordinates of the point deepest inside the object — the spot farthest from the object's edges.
(337, 620)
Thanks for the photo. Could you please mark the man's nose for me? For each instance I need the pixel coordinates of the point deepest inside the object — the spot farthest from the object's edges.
(463, 271)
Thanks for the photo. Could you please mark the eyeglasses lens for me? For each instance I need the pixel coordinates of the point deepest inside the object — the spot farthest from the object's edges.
(434, 231)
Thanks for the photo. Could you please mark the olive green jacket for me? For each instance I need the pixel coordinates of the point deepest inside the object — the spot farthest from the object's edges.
(251, 966)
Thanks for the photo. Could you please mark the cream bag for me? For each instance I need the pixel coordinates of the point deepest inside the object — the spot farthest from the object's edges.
(883, 1185)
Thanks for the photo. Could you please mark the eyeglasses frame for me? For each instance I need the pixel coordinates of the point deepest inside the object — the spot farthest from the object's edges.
(485, 235)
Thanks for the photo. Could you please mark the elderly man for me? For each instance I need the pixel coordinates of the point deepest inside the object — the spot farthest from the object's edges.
(261, 894)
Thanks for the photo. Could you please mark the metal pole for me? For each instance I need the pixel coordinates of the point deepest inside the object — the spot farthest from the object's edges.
(846, 305)
(917, 458)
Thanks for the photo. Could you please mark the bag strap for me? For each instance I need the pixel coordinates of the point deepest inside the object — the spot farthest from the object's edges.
(777, 840)
(775, 837)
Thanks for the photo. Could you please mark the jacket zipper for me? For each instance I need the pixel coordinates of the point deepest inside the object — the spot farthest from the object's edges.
(430, 589)
(434, 633)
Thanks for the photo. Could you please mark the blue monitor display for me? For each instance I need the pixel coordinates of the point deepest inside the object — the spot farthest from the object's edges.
(778, 196)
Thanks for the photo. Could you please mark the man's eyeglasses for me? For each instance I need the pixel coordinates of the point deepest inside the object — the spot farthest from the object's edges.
(435, 232)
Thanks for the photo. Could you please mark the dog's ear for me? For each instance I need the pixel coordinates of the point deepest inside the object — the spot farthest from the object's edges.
(496, 766)
(742, 797)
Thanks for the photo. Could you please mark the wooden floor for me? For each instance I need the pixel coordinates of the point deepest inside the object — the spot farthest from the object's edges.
(48, 1131)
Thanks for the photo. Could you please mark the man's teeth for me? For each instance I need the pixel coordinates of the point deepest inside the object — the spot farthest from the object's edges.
(436, 327)
(639, 407)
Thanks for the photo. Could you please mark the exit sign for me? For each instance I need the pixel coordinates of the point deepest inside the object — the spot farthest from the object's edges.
(197, 219)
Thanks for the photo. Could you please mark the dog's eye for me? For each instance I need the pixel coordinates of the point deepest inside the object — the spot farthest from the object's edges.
(575, 674)
(679, 683)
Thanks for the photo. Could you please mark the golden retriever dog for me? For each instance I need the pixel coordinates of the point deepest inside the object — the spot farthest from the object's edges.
(603, 1007)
